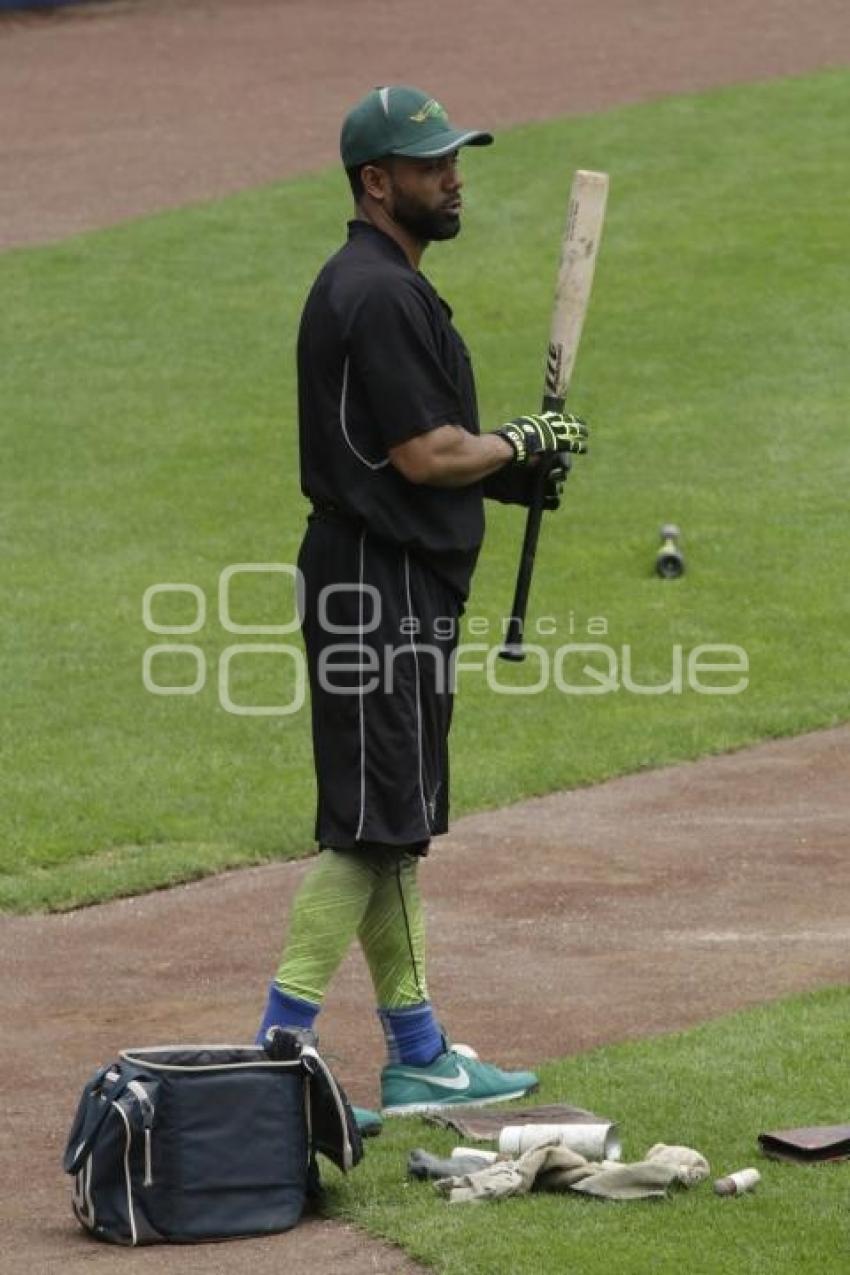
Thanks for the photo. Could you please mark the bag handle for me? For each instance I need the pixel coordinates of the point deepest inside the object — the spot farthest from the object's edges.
(107, 1084)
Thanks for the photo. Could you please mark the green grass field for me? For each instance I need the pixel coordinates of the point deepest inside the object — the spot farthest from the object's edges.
(714, 1088)
(148, 434)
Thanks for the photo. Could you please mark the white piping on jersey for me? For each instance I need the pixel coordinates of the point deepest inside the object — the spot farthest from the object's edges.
(411, 616)
(370, 464)
(361, 704)
(385, 101)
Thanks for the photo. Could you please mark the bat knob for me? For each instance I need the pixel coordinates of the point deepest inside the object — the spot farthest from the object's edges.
(670, 562)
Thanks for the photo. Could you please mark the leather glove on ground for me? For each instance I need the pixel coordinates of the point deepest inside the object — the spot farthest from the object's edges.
(545, 434)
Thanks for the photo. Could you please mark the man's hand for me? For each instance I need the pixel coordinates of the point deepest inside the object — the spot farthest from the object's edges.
(553, 489)
(544, 435)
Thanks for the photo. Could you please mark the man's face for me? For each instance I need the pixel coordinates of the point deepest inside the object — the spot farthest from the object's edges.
(423, 195)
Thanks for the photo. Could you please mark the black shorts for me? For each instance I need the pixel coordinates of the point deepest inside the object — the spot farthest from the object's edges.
(379, 628)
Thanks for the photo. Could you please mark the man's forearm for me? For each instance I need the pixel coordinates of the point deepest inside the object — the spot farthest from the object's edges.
(450, 456)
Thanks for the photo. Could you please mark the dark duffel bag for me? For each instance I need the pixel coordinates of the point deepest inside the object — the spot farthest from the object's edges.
(178, 1144)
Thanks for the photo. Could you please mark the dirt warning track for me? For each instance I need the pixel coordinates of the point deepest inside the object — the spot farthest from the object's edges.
(118, 108)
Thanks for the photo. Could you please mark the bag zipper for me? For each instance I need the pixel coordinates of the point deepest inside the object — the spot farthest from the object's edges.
(143, 1057)
(143, 1098)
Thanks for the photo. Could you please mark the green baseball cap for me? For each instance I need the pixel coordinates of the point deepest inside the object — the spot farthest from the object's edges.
(399, 120)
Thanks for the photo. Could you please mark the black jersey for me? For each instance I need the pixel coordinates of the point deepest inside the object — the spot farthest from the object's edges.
(380, 361)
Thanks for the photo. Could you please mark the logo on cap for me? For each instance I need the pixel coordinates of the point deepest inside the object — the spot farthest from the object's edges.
(430, 110)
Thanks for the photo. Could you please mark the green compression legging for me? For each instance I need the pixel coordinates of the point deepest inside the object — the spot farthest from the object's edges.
(373, 894)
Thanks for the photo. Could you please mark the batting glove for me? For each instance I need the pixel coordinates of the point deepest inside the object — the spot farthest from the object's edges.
(553, 489)
(544, 435)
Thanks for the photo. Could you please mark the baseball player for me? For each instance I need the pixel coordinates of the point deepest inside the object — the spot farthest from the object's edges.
(396, 469)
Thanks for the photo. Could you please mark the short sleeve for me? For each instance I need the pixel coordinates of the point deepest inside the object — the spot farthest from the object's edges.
(394, 349)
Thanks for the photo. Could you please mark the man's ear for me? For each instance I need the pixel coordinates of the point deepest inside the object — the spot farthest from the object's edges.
(376, 181)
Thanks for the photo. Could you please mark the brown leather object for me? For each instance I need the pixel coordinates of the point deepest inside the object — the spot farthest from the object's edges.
(808, 1144)
(483, 1125)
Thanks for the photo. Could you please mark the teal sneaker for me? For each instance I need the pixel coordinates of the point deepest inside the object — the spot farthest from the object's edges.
(368, 1122)
(451, 1080)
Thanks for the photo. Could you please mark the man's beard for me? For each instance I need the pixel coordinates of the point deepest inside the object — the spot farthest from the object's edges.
(425, 224)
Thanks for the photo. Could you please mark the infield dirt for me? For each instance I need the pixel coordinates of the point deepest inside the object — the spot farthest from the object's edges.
(645, 904)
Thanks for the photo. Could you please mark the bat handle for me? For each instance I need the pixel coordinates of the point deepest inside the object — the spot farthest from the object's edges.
(512, 647)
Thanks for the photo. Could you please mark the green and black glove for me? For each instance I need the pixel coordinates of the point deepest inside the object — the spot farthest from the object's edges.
(553, 489)
(544, 435)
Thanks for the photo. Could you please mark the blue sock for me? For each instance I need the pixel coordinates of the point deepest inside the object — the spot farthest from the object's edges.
(284, 1010)
(412, 1034)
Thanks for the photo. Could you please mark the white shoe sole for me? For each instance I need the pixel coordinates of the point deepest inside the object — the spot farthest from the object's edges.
(417, 1108)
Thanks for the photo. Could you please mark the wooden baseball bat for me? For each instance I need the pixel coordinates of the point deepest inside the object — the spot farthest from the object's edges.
(579, 246)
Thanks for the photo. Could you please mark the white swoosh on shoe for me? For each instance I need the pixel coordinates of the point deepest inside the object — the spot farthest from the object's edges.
(460, 1082)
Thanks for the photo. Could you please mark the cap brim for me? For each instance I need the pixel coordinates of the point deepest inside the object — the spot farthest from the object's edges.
(444, 143)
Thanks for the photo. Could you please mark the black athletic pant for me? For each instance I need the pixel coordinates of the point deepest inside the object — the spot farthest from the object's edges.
(379, 628)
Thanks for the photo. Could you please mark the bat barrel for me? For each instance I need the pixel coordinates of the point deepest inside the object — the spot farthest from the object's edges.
(585, 214)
